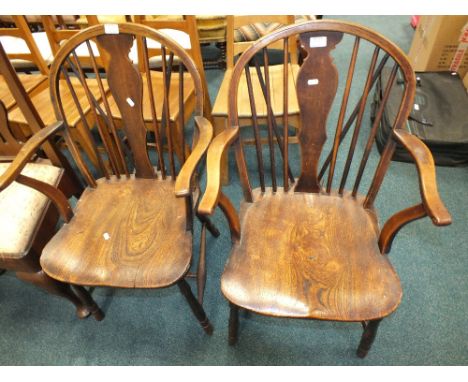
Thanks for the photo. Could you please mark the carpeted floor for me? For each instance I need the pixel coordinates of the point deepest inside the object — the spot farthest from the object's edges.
(157, 328)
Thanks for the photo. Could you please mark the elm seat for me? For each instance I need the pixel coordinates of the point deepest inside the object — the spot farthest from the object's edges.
(344, 280)
(125, 247)
(22, 209)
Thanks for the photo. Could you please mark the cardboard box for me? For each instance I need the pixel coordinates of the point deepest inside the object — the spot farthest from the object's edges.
(440, 44)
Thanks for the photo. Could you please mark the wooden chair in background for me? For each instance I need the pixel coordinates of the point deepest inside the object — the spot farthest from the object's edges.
(28, 220)
(305, 247)
(129, 229)
(21, 48)
(252, 79)
(72, 91)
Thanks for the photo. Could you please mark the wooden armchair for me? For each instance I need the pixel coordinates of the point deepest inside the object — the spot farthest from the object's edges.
(129, 230)
(305, 247)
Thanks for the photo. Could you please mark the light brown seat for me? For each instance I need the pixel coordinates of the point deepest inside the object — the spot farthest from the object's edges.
(22, 209)
(289, 262)
(31, 84)
(158, 83)
(128, 247)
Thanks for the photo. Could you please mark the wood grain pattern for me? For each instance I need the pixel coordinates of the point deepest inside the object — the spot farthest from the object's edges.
(148, 245)
(315, 101)
(127, 90)
(289, 262)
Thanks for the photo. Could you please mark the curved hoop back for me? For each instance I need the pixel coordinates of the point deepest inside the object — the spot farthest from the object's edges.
(316, 86)
(120, 114)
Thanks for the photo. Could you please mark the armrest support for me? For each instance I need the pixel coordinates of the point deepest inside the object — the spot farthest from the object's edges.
(184, 179)
(26, 152)
(212, 193)
(431, 201)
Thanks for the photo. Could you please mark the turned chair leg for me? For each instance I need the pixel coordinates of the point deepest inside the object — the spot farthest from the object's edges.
(197, 309)
(42, 280)
(368, 337)
(88, 301)
(233, 324)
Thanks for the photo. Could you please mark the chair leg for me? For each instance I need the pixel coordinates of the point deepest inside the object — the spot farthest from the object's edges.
(42, 280)
(87, 300)
(197, 309)
(368, 337)
(233, 324)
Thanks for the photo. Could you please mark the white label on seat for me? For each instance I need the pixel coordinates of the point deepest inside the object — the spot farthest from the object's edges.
(106, 236)
(130, 102)
(111, 29)
(318, 42)
(312, 81)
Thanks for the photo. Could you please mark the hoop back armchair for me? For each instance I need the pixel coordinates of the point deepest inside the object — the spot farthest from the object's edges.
(307, 242)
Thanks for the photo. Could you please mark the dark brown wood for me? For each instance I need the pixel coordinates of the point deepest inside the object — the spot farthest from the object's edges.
(368, 337)
(353, 115)
(306, 252)
(154, 116)
(285, 114)
(258, 147)
(375, 126)
(397, 222)
(344, 104)
(195, 306)
(357, 126)
(201, 269)
(233, 324)
(121, 74)
(317, 82)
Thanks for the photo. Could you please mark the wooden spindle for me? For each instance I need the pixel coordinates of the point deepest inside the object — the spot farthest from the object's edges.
(181, 111)
(82, 78)
(270, 117)
(86, 129)
(258, 147)
(276, 131)
(352, 117)
(108, 111)
(285, 114)
(357, 126)
(341, 116)
(154, 116)
(166, 114)
(374, 128)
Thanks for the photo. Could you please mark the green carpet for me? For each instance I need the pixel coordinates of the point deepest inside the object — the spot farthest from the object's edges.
(157, 327)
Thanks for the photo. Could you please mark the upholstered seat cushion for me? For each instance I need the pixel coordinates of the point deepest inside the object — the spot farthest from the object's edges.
(252, 32)
(16, 45)
(22, 208)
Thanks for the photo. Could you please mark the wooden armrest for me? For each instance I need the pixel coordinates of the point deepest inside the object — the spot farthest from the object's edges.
(221, 142)
(431, 201)
(184, 179)
(24, 155)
